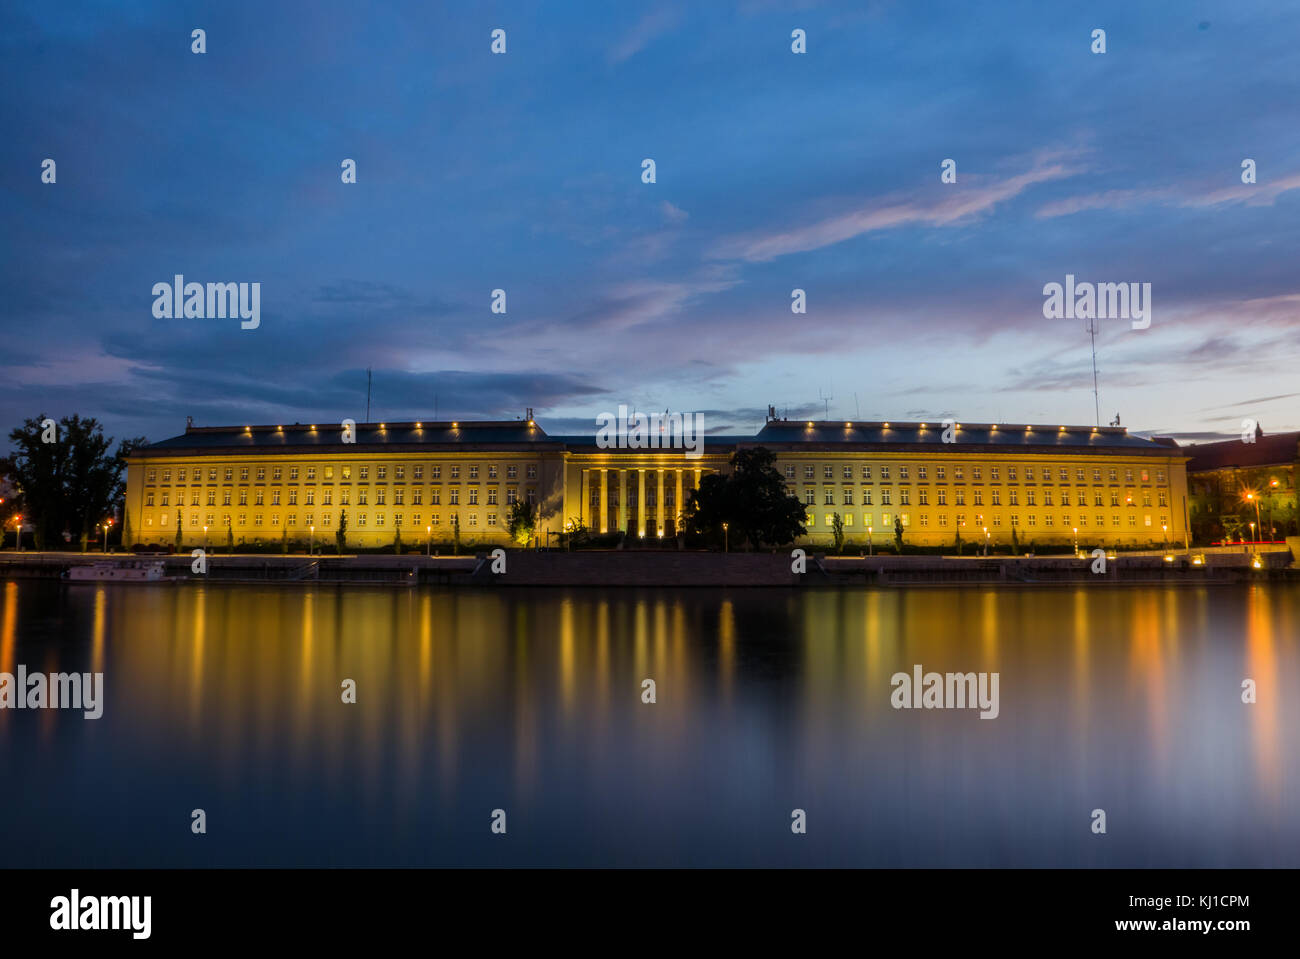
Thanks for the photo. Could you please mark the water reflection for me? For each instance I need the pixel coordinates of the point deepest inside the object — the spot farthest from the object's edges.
(230, 698)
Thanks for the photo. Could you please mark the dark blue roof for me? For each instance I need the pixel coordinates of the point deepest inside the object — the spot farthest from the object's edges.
(1002, 437)
(330, 436)
(782, 434)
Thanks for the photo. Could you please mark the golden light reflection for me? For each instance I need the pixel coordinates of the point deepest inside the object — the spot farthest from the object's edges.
(8, 632)
(1261, 666)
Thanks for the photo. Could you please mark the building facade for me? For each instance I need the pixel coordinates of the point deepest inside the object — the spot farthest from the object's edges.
(1241, 489)
(268, 484)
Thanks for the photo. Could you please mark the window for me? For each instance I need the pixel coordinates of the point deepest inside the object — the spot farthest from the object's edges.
(1161, 497)
(361, 519)
(1011, 474)
(848, 472)
(212, 497)
(380, 496)
(381, 472)
(455, 472)
(311, 497)
(311, 474)
(453, 496)
(943, 496)
(345, 472)
(905, 496)
(473, 496)
(848, 496)
(327, 497)
(261, 472)
(473, 472)
(225, 497)
(399, 495)
(512, 471)
(1128, 475)
(228, 474)
(924, 498)
(1015, 498)
(866, 497)
(957, 473)
(809, 496)
(866, 472)
(435, 472)
(435, 496)
(997, 497)
(995, 474)
(941, 472)
(363, 497)
(1047, 497)
(979, 497)
(329, 472)
(828, 471)
(180, 475)
(789, 471)
(807, 472)
(492, 474)
(417, 497)
(417, 472)
(345, 497)
(532, 471)
(275, 497)
(961, 497)
(1064, 474)
(399, 473)
(293, 472)
(512, 496)
(922, 472)
(1160, 476)
(363, 473)
(884, 497)
(473, 519)
(293, 497)
(1031, 497)
(902, 472)
(492, 496)
(977, 473)
(829, 495)
(1096, 498)
(884, 473)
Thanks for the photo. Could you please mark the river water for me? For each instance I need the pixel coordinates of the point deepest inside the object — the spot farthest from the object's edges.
(229, 699)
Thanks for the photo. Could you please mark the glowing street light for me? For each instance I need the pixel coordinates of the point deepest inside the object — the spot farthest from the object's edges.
(18, 530)
(725, 546)
(868, 540)
(1252, 498)
(1076, 539)
(428, 541)
(986, 540)
(311, 541)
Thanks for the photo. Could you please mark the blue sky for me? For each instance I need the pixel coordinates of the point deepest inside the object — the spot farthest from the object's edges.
(775, 171)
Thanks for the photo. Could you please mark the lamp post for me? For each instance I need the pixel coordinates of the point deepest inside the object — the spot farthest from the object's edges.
(205, 539)
(18, 532)
(311, 540)
(1076, 541)
(105, 544)
(428, 541)
(725, 544)
(1164, 529)
(868, 540)
(986, 540)
(1252, 498)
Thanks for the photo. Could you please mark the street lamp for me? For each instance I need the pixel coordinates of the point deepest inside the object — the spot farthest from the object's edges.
(1076, 541)
(311, 540)
(1164, 528)
(1252, 532)
(107, 524)
(986, 540)
(868, 540)
(205, 539)
(428, 541)
(1252, 498)
(725, 546)
(18, 531)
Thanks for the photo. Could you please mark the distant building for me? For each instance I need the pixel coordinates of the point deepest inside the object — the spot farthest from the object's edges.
(1043, 482)
(1232, 482)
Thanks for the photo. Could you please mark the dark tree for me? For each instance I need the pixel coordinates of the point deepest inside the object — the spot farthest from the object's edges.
(74, 482)
(752, 500)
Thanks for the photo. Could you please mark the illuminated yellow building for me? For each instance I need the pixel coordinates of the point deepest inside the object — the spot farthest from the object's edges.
(268, 484)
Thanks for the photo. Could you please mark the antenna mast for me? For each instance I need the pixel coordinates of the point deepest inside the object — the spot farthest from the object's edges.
(1096, 398)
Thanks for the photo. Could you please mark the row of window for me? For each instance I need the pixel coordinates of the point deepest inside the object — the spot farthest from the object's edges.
(184, 474)
(1043, 475)
(416, 520)
(846, 497)
(345, 497)
(1068, 521)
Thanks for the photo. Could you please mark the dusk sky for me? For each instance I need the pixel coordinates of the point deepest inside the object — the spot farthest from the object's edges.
(775, 171)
